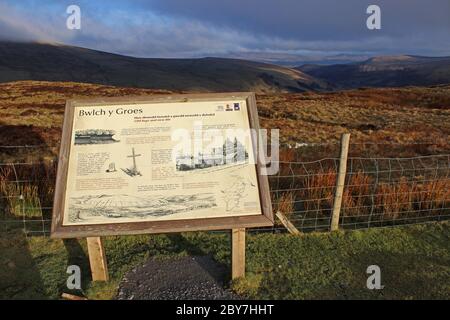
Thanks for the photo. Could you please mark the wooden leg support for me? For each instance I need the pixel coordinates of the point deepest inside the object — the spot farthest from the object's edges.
(238, 253)
(97, 259)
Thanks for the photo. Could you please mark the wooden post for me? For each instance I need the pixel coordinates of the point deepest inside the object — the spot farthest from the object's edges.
(237, 253)
(287, 224)
(97, 259)
(340, 181)
(69, 296)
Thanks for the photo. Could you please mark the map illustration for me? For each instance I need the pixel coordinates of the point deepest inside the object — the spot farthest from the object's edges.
(111, 207)
(235, 192)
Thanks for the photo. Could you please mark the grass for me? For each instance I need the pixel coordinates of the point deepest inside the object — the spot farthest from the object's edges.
(383, 122)
(27, 190)
(419, 191)
(414, 261)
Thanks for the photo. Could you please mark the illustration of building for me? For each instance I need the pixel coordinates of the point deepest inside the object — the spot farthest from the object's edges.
(232, 152)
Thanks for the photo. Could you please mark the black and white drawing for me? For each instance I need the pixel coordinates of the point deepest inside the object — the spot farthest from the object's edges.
(111, 168)
(235, 191)
(232, 152)
(100, 207)
(94, 136)
(133, 171)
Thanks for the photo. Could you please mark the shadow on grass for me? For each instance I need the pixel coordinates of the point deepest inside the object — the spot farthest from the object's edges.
(220, 273)
(414, 263)
(77, 256)
(20, 277)
(404, 275)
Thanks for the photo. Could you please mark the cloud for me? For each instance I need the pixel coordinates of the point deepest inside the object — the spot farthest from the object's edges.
(311, 19)
(175, 28)
(15, 26)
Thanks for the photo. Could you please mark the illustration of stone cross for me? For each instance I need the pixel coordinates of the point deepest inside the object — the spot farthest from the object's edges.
(134, 159)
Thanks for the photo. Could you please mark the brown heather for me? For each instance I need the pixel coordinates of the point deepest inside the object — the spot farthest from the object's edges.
(382, 122)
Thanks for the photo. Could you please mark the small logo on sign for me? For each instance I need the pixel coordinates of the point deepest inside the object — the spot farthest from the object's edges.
(237, 107)
(229, 108)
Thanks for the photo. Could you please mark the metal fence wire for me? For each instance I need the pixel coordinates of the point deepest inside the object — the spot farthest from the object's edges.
(378, 192)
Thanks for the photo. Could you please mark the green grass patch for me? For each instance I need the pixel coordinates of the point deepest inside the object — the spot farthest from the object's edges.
(414, 262)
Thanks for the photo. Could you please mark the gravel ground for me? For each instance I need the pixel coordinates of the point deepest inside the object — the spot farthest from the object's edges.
(190, 278)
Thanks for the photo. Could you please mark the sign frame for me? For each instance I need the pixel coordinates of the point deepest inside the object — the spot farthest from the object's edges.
(58, 230)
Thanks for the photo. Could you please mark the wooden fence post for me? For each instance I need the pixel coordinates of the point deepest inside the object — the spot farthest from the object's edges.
(287, 224)
(340, 181)
(237, 253)
(97, 259)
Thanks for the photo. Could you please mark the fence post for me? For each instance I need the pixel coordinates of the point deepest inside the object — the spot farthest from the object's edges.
(237, 253)
(97, 259)
(287, 224)
(340, 181)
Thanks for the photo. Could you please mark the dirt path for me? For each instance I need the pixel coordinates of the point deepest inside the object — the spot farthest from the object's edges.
(198, 277)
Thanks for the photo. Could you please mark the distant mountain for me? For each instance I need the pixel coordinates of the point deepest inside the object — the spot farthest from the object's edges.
(293, 60)
(387, 71)
(49, 62)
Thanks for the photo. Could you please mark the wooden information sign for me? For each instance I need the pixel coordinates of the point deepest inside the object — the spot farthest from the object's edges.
(158, 164)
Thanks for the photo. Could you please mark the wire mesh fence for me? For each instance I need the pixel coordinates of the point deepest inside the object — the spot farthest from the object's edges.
(26, 195)
(378, 191)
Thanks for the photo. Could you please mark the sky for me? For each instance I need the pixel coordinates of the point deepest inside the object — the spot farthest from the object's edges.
(197, 28)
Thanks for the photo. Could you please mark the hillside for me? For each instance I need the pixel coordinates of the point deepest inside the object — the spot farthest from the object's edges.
(388, 71)
(31, 113)
(62, 63)
(49, 62)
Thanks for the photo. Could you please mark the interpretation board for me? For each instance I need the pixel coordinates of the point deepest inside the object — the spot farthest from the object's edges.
(157, 164)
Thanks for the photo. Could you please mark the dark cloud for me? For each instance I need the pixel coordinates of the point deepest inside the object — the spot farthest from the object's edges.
(180, 28)
(314, 19)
